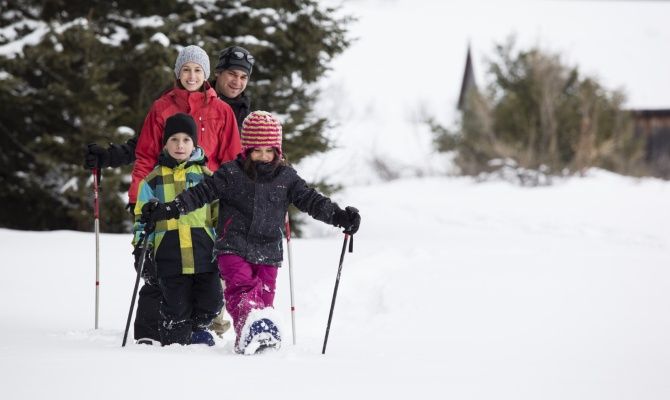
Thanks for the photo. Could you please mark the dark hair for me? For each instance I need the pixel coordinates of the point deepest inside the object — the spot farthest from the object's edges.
(250, 169)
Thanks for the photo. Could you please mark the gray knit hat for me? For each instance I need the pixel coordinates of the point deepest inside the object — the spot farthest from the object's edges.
(192, 54)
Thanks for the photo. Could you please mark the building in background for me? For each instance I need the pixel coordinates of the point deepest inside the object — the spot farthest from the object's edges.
(651, 125)
(654, 127)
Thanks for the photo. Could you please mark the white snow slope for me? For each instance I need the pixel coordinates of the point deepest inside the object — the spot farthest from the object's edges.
(454, 290)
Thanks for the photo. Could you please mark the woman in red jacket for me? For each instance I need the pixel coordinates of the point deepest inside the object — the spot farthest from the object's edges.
(192, 94)
(217, 135)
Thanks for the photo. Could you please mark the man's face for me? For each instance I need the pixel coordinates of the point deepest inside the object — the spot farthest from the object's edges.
(231, 82)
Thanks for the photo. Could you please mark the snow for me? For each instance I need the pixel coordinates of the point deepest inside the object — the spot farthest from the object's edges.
(11, 49)
(160, 38)
(119, 36)
(408, 60)
(189, 26)
(126, 131)
(154, 21)
(455, 289)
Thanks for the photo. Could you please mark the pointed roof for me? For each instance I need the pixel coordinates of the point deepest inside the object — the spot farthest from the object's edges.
(468, 82)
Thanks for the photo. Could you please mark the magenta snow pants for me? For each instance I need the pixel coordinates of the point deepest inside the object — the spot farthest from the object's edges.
(248, 286)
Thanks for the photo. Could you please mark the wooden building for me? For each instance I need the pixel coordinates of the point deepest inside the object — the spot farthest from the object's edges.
(654, 127)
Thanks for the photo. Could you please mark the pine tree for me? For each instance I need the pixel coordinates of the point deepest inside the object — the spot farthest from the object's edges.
(539, 114)
(75, 72)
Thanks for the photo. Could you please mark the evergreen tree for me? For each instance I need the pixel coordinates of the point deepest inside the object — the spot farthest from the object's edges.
(74, 72)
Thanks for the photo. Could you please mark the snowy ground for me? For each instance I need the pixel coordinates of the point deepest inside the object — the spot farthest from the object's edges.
(454, 290)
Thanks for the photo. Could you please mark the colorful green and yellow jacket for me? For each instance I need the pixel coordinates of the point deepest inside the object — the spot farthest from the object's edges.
(183, 245)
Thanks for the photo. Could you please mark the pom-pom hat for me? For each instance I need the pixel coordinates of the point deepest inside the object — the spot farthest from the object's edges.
(261, 129)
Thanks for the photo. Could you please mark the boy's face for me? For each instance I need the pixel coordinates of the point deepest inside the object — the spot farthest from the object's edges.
(231, 82)
(180, 146)
(264, 154)
(191, 76)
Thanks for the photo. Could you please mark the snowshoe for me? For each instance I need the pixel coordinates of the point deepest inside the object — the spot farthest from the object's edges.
(201, 336)
(263, 335)
(148, 341)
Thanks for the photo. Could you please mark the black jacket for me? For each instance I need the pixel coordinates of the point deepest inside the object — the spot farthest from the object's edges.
(241, 106)
(251, 213)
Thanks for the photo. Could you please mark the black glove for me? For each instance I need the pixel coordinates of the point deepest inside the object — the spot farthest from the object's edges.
(154, 211)
(130, 207)
(149, 268)
(349, 219)
(95, 157)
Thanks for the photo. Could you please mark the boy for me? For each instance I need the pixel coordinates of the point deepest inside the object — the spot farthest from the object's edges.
(182, 248)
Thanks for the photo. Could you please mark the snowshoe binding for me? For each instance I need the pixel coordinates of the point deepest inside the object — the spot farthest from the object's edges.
(263, 335)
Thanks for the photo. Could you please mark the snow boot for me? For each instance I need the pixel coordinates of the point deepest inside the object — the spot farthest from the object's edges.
(201, 336)
(220, 325)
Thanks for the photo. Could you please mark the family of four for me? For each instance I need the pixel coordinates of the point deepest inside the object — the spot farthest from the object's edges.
(213, 200)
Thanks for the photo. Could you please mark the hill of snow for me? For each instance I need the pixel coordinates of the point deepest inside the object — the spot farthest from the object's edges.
(454, 290)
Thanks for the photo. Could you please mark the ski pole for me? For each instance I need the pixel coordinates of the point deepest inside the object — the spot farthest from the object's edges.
(96, 213)
(290, 274)
(337, 284)
(145, 247)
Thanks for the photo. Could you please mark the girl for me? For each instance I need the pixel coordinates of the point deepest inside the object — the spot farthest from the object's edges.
(254, 193)
(187, 275)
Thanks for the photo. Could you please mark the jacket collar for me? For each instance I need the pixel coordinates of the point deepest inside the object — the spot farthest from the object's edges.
(241, 100)
(197, 158)
(183, 96)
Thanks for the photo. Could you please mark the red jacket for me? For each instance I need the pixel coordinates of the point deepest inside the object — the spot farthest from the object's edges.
(217, 131)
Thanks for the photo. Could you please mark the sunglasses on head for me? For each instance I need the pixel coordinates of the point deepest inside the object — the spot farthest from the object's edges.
(240, 55)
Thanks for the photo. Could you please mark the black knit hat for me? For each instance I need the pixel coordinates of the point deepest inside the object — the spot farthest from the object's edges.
(180, 123)
(236, 57)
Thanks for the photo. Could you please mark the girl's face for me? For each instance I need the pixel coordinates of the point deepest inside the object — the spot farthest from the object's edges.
(264, 154)
(191, 76)
(180, 146)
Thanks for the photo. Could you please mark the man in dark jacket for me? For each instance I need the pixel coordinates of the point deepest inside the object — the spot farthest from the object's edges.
(232, 75)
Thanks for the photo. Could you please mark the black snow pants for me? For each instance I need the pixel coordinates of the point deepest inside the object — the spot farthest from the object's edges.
(147, 317)
(190, 302)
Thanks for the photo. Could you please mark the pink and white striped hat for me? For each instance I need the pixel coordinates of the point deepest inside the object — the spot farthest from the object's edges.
(260, 129)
